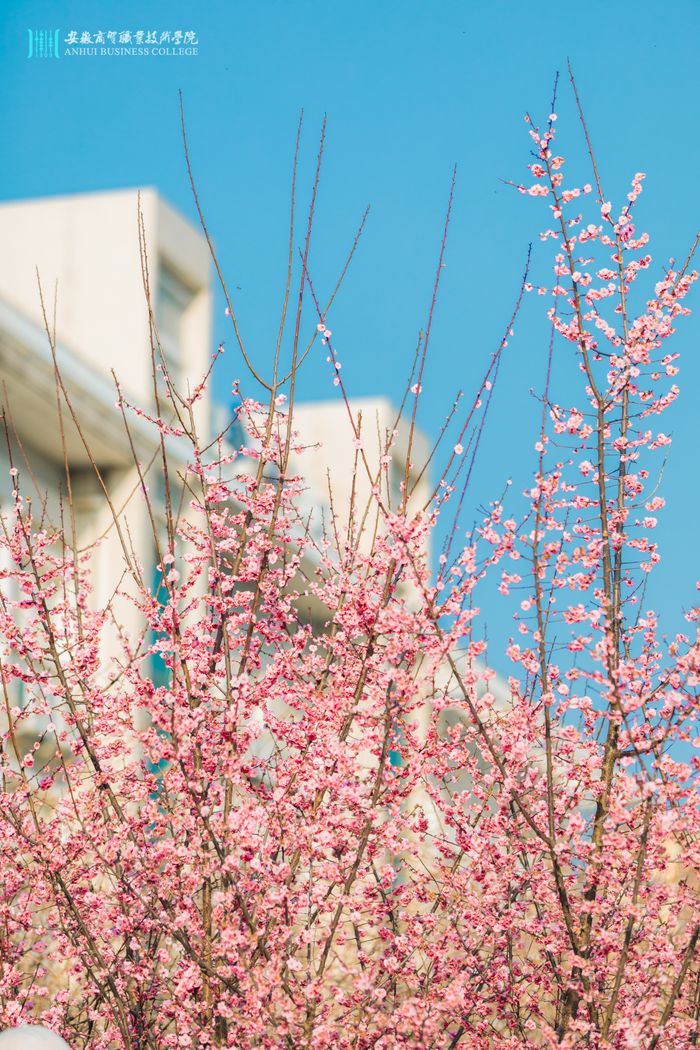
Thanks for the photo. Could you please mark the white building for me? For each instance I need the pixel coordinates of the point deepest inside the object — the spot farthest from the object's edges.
(85, 252)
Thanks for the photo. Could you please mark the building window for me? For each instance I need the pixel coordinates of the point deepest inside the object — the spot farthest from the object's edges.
(160, 673)
(174, 297)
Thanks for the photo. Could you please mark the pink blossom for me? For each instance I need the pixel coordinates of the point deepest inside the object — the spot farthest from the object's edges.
(294, 805)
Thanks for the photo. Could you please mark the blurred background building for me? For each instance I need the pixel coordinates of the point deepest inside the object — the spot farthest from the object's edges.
(83, 251)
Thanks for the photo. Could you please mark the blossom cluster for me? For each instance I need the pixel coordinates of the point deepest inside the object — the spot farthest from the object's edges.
(302, 809)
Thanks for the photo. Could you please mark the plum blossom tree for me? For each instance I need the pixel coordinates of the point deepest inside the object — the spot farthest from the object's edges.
(291, 846)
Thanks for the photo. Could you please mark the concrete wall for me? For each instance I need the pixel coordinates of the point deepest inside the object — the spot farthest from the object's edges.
(86, 248)
(333, 473)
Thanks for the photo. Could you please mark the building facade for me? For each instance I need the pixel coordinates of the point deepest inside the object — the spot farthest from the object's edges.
(75, 265)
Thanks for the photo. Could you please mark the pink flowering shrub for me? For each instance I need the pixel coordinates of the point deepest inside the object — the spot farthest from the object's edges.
(350, 837)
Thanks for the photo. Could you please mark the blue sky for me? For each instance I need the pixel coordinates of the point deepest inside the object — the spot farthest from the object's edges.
(409, 89)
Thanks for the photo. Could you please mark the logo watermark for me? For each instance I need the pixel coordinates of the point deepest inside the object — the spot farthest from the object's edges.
(44, 43)
(112, 43)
